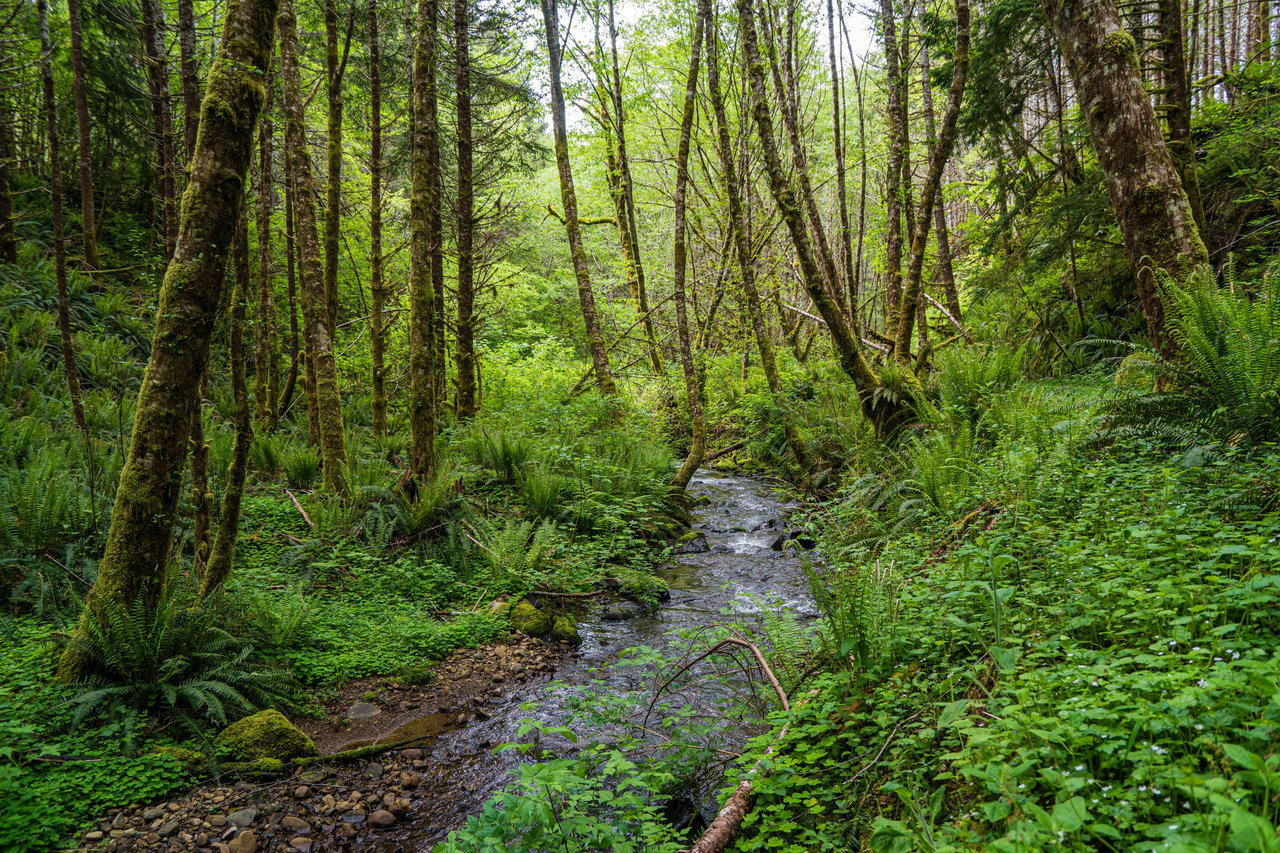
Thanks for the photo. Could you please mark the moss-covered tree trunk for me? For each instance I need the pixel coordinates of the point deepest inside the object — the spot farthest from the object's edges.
(465, 351)
(190, 295)
(741, 229)
(885, 410)
(224, 544)
(946, 269)
(912, 289)
(54, 139)
(315, 305)
(1146, 192)
(897, 142)
(335, 70)
(84, 153)
(627, 218)
(424, 242)
(569, 196)
(693, 390)
(190, 74)
(8, 240)
(153, 38)
(377, 286)
(1177, 102)
(266, 367)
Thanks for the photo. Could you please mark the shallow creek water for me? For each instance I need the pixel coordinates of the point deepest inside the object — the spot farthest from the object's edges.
(739, 574)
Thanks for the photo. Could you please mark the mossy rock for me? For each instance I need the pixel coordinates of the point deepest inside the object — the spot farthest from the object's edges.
(500, 609)
(529, 620)
(266, 734)
(565, 628)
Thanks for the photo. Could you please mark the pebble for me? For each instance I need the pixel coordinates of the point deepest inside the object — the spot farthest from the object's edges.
(382, 819)
(301, 792)
(152, 814)
(245, 842)
(301, 844)
(296, 825)
(96, 835)
(243, 817)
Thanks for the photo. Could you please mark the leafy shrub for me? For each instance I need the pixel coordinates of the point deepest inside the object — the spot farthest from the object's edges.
(1225, 385)
(301, 467)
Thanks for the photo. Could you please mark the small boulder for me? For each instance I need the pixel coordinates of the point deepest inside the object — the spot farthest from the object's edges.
(529, 620)
(499, 608)
(693, 542)
(243, 817)
(382, 819)
(623, 611)
(266, 734)
(565, 629)
(363, 711)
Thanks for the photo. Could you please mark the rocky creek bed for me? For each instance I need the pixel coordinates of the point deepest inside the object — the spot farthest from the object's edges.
(409, 798)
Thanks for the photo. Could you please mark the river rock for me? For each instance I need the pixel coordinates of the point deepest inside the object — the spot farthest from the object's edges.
(243, 817)
(153, 814)
(363, 711)
(266, 734)
(245, 842)
(296, 825)
(382, 819)
(693, 542)
(623, 611)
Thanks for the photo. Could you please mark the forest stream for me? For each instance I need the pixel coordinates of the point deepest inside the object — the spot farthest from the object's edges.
(742, 566)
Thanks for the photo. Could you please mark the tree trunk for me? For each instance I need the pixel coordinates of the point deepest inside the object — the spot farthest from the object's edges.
(266, 360)
(885, 411)
(84, 153)
(291, 286)
(424, 218)
(693, 390)
(465, 350)
(628, 223)
(66, 341)
(740, 227)
(190, 72)
(586, 298)
(1146, 193)
(377, 287)
(224, 545)
(201, 498)
(787, 91)
(946, 270)
(335, 68)
(153, 29)
(911, 292)
(147, 497)
(897, 134)
(1177, 106)
(8, 240)
(844, 237)
(320, 358)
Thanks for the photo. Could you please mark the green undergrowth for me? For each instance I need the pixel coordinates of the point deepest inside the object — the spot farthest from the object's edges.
(1064, 648)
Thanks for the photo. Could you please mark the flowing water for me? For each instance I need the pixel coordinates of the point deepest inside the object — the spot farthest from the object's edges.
(742, 571)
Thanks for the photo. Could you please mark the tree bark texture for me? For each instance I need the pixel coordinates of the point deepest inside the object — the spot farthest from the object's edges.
(153, 30)
(377, 286)
(66, 341)
(465, 352)
(946, 269)
(320, 357)
(569, 197)
(224, 544)
(190, 73)
(693, 389)
(911, 292)
(266, 353)
(84, 153)
(425, 243)
(897, 142)
(147, 497)
(849, 353)
(1146, 192)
